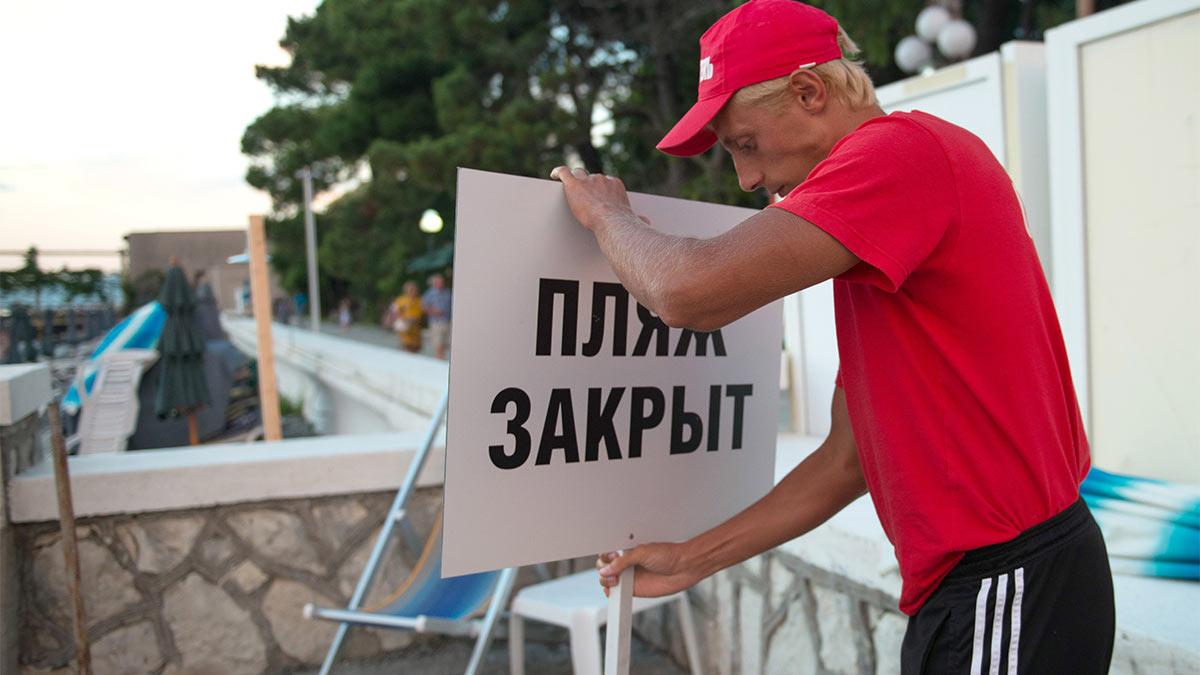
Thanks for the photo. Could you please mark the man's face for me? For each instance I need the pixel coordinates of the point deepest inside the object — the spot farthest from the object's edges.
(774, 149)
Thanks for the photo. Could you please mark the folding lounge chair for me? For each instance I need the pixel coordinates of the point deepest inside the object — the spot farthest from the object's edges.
(425, 602)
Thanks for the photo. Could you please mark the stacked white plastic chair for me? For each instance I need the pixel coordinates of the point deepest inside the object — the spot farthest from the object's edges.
(108, 413)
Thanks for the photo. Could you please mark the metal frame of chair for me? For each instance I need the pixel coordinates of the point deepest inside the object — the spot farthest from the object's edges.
(481, 629)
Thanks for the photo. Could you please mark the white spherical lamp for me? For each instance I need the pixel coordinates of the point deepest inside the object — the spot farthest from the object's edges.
(913, 54)
(931, 21)
(431, 221)
(956, 40)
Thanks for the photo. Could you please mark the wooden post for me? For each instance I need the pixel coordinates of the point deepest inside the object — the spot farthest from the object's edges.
(193, 433)
(260, 294)
(66, 517)
(620, 623)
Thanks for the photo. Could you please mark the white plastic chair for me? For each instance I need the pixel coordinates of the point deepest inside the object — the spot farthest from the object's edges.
(108, 414)
(577, 603)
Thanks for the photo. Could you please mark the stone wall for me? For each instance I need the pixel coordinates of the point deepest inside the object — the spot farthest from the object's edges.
(21, 445)
(20, 448)
(216, 590)
(777, 613)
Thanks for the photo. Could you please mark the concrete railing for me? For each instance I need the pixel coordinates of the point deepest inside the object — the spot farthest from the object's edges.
(348, 387)
(150, 481)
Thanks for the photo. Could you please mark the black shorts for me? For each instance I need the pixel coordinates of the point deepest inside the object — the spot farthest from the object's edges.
(1040, 603)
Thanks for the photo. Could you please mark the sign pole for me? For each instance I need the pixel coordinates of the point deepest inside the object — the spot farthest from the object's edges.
(620, 622)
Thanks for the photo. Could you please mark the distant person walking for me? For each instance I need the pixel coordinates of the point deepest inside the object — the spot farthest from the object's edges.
(244, 296)
(282, 310)
(436, 302)
(345, 317)
(300, 299)
(404, 318)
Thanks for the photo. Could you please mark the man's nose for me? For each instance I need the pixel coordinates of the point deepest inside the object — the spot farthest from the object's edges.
(748, 178)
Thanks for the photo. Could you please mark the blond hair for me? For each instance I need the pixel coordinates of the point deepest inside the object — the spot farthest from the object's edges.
(844, 78)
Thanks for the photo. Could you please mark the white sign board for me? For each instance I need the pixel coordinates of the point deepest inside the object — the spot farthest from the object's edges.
(578, 423)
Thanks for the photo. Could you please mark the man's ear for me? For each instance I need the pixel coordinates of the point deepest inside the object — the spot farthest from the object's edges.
(809, 89)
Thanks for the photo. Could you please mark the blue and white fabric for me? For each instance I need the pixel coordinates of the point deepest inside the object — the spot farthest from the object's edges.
(139, 330)
(1151, 527)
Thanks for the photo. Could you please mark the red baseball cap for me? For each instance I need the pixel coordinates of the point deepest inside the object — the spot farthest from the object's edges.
(758, 41)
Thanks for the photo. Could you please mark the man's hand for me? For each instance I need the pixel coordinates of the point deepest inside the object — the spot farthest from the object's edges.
(592, 197)
(661, 570)
(820, 486)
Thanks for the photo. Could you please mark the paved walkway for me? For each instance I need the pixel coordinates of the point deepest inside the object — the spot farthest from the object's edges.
(549, 655)
(369, 333)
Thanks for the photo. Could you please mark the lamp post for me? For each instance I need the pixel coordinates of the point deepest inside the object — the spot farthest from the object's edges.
(431, 224)
(310, 243)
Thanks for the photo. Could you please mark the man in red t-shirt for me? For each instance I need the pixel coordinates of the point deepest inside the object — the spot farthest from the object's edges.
(954, 406)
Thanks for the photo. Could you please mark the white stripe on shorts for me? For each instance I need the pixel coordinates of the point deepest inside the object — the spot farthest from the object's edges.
(998, 623)
(980, 626)
(1015, 625)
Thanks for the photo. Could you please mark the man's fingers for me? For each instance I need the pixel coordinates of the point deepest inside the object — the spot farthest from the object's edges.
(617, 564)
(605, 563)
(562, 173)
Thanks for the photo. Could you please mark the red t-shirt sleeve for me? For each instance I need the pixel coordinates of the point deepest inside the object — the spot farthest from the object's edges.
(882, 194)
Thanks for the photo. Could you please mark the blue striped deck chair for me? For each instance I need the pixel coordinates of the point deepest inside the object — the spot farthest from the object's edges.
(424, 602)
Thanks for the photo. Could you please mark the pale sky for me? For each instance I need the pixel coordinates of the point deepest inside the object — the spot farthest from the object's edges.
(127, 116)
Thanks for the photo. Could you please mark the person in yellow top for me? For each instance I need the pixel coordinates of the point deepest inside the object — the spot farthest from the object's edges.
(404, 317)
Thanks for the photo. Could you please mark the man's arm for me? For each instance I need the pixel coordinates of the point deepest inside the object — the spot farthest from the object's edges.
(703, 284)
(820, 486)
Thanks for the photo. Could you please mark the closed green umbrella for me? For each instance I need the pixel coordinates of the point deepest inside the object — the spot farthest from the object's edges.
(182, 387)
(14, 344)
(20, 334)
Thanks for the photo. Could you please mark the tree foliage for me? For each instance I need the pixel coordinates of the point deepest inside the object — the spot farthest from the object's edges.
(141, 289)
(393, 95)
(74, 283)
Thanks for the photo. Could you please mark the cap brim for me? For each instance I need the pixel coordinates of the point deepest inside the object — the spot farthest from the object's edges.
(691, 135)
